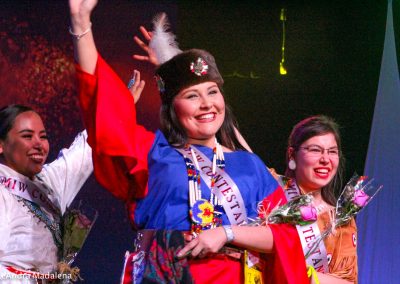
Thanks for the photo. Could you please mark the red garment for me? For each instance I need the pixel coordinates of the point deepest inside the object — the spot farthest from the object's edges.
(110, 118)
(120, 165)
(287, 265)
(218, 269)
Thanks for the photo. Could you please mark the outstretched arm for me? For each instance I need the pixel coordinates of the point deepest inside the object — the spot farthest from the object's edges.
(120, 146)
(211, 241)
(84, 46)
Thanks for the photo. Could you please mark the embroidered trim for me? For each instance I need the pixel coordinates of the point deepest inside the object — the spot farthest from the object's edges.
(53, 226)
(224, 188)
(205, 214)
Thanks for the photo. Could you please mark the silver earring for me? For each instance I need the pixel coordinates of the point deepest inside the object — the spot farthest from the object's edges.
(292, 164)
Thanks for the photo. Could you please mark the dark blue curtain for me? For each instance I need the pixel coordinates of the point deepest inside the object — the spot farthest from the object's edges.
(379, 223)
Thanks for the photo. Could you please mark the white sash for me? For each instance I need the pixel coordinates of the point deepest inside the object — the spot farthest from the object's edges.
(308, 234)
(225, 188)
(23, 187)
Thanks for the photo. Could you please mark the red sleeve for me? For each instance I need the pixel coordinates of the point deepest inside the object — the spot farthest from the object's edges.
(120, 146)
(287, 265)
(276, 198)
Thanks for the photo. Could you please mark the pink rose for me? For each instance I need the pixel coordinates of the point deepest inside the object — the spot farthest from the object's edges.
(360, 198)
(308, 213)
(82, 222)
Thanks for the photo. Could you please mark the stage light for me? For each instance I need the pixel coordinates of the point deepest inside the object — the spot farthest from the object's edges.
(282, 69)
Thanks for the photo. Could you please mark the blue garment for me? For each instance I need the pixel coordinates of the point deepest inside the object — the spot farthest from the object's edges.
(141, 168)
(166, 205)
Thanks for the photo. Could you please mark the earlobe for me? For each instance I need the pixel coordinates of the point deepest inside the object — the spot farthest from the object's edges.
(1, 147)
(289, 153)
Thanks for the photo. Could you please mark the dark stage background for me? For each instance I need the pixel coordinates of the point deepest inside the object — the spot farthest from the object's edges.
(332, 56)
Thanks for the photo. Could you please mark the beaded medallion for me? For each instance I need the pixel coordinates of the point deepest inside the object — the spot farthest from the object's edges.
(204, 214)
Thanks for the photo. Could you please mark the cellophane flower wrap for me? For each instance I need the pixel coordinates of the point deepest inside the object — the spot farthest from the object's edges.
(357, 193)
(77, 225)
(298, 211)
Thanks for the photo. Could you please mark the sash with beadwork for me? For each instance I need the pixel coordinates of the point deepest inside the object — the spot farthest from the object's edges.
(307, 233)
(33, 196)
(226, 189)
(229, 194)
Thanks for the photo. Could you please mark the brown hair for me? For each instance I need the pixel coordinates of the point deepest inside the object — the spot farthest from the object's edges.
(315, 126)
(175, 75)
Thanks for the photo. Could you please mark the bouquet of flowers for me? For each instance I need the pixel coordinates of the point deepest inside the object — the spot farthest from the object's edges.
(298, 211)
(77, 225)
(357, 193)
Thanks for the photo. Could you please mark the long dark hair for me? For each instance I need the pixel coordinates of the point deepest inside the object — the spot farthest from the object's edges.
(7, 117)
(176, 134)
(316, 126)
(175, 75)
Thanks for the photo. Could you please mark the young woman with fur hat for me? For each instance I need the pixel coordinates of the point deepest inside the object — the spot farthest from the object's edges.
(190, 176)
(315, 174)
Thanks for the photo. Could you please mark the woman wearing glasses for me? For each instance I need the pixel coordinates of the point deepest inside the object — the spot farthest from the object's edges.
(315, 166)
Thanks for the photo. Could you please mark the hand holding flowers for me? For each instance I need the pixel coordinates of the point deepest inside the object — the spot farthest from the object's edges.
(299, 211)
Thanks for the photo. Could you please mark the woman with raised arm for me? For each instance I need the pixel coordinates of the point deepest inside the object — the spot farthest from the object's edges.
(188, 177)
(315, 166)
(34, 196)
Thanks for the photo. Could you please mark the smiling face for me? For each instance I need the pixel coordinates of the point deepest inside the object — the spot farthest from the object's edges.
(200, 110)
(26, 147)
(315, 170)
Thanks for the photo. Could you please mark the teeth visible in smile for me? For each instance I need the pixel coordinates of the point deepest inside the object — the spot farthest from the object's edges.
(206, 116)
(322, 171)
(36, 157)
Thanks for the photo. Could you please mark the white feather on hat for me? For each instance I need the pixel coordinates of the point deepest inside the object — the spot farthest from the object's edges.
(163, 42)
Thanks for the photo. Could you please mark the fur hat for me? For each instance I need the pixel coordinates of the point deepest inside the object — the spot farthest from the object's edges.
(191, 67)
(179, 69)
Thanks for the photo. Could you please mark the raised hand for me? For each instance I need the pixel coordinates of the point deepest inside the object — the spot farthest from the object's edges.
(81, 10)
(150, 57)
(84, 45)
(136, 86)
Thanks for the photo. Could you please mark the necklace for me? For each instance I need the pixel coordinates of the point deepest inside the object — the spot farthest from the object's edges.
(204, 214)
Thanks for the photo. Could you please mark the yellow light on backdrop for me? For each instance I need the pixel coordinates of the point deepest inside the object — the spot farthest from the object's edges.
(282, 69)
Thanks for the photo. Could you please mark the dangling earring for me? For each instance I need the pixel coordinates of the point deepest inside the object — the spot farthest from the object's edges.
(292, 164)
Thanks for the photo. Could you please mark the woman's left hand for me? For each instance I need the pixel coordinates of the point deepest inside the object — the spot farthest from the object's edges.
(151, 56)
(136, 86)
(209, 241)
